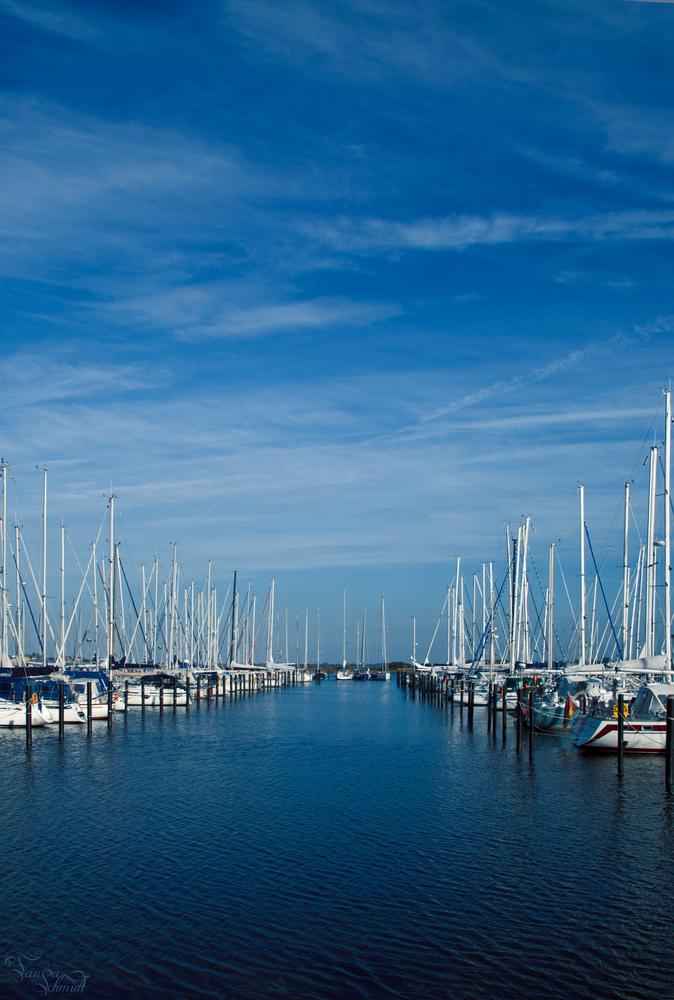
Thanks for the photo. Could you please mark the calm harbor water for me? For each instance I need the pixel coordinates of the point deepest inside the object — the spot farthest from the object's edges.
(331, 841)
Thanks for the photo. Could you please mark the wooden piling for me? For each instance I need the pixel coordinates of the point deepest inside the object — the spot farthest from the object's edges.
(126, 697)
(142, 697)
(504, 720)
(89, 707)
(187, 692)
(520, 716)
(110, 696)
(531, 724)
(621, 734)
(62, 710)
(669, 744)
(29, 716)
(161, 698)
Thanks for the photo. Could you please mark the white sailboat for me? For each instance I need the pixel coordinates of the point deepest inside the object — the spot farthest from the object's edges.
(382, 673)
(344, 674)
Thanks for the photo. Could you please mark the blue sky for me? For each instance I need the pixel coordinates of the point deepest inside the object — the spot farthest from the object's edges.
(331, 291)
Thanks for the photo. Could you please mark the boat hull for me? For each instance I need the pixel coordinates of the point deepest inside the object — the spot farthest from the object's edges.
(601, 734)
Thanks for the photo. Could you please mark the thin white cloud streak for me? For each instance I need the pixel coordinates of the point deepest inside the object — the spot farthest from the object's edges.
(372, 41)
(459, 232)
(210, 311)
(59, 23)
(60, 376)
(275, 475)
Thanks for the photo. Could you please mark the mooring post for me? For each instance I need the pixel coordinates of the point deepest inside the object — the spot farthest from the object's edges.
(126, 697)
(471, 695)
(161, 698)
(175, 696)
(520, 714)
(29, 716)
(89, 707)
(110, 693)
(198, 690)
(187, 691)
(504, 720)
(621, 734)
(142, 697)
(669, 744)
(62, 710)
(531, 724)
(489, 707)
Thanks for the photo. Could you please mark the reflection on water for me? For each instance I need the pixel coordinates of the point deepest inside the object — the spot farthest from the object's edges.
(330, 842)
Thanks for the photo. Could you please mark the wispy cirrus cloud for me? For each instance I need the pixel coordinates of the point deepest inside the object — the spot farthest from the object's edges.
(61, 23)
(217, 310)
(458, 232)
(63, 376)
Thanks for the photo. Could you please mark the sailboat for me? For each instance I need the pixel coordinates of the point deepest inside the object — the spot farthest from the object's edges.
(382, 673)
(344, 674)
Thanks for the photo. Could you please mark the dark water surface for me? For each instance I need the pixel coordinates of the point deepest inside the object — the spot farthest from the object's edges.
(331, 841)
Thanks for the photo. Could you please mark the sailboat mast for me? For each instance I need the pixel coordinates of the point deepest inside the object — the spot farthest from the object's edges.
(232, 645)
(583, 598)
(44, 571)
(551, 603)
(650, 555)
(111, 612)
(383, 633)
(5, 637)
(344, 634)
(19, 639)
(626, 573)
(668, 510)
(306, 636)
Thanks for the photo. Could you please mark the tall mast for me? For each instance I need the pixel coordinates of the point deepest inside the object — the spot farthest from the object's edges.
(111, 609)
(318, 639)
(383, 632)
(172, 606)
(513, 602)
(61, 657)
(551, 603)
(252, 634)
(232, 646)
(668, 509)
(19, 639)
(583, 610)
(44, 571)
(484, 611)
(456, 609)
(626, 573)
(5, 636)
(306, 636)
(344, 634)
(154, 616)
(414, 640)
(363, 648)
(491, 626)
(650, 555)
(270, 627)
